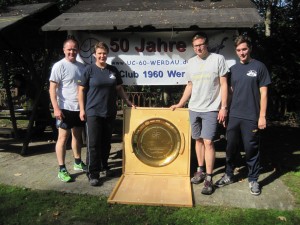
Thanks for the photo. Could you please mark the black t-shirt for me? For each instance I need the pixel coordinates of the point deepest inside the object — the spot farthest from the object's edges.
(246, 80)
(101, 94)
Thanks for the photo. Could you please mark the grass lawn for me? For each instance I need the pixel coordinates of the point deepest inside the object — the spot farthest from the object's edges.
(25, 206)
(20, 206)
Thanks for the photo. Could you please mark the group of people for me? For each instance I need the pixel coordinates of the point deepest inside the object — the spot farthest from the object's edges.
(86, 96)
(210, 86)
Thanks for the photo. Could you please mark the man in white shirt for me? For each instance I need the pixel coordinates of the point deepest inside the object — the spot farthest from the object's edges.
(63, 94)
(206, 91)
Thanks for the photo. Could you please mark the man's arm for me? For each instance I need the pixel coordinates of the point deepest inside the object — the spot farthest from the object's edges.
(81, 97)
(262, 122)
(53, 97)
(185, 96)
(224, 96)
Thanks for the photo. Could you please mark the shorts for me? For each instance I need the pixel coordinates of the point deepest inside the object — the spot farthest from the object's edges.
(203, 124)
(70, 120)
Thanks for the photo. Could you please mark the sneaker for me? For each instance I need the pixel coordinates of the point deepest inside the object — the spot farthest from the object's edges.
(107, 173)
(94, 182)
(198, 177)
(64, 176)
(208, 188)
(80, 167)
(254, 187)
(225, 180)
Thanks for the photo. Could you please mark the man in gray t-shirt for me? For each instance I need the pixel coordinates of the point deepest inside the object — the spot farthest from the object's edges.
(206, 91)
(63, 94)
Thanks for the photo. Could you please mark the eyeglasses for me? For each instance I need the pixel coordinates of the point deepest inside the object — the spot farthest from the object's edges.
(199, 46)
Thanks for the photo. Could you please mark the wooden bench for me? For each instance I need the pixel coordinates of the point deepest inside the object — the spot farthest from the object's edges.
(7, 131)
(19, 114)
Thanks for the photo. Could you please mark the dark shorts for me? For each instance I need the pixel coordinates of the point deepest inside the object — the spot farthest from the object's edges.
(70, 120)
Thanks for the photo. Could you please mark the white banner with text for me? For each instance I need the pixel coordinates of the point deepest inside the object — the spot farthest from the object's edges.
(153, 58)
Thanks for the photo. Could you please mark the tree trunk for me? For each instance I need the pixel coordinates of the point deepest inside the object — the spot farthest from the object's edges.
(268, 20)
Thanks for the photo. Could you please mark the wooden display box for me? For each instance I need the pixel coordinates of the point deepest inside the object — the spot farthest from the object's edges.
(159, 177)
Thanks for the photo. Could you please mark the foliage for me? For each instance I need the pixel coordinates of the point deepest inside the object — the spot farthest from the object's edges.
(16, 60)
(5, 3)
(163, 96)
(25, 206)
(280, 52)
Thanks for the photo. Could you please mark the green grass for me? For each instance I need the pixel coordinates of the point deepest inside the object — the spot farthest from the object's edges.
(292, 180)
(25, 206)
(21, 206)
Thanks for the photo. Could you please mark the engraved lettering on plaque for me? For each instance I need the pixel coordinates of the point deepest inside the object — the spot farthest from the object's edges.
(156, 142)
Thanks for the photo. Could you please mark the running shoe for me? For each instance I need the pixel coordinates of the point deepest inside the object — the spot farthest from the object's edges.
(80, 167)
(225, 180)
(64, 176)
(254, 188)
(198, 177)
(208, 188)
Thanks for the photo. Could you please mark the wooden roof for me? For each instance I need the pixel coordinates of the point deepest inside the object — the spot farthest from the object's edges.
(151, 14)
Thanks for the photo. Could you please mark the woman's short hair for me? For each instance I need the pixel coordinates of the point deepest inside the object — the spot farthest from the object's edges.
(101, 45)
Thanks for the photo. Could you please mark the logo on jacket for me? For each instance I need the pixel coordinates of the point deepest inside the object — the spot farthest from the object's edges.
(252, 73)
(112, 76)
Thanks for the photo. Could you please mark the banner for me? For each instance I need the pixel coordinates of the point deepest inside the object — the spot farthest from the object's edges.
(153, 58)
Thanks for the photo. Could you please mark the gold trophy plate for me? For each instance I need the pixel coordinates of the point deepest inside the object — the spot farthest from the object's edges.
(156, 142)
(156, 158)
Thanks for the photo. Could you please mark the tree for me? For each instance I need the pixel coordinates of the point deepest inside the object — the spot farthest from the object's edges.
(278, 42)
(32, 62)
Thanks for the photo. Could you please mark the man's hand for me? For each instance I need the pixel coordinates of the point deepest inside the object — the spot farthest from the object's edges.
(262, 122)
(222, 116)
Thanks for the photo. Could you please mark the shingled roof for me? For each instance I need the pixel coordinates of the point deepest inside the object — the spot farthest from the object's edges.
(159, 15)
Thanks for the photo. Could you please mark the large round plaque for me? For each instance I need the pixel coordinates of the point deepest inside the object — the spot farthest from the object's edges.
(156, 142)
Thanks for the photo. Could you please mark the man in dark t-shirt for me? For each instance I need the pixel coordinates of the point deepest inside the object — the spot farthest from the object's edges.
(249, 80)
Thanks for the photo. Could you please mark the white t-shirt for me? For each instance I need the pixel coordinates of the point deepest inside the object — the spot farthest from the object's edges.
(205, 75)
(66, 75)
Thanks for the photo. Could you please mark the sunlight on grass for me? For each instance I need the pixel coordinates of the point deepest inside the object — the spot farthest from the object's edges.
(8, 124)
(25, 206)
(292, 180)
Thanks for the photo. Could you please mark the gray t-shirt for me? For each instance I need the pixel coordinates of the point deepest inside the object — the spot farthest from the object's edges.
(205, 76)
(66, 74)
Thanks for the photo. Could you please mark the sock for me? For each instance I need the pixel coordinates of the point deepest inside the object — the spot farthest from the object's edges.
(208, 177)
(78, 161)
(62, 167)
(200, 168)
